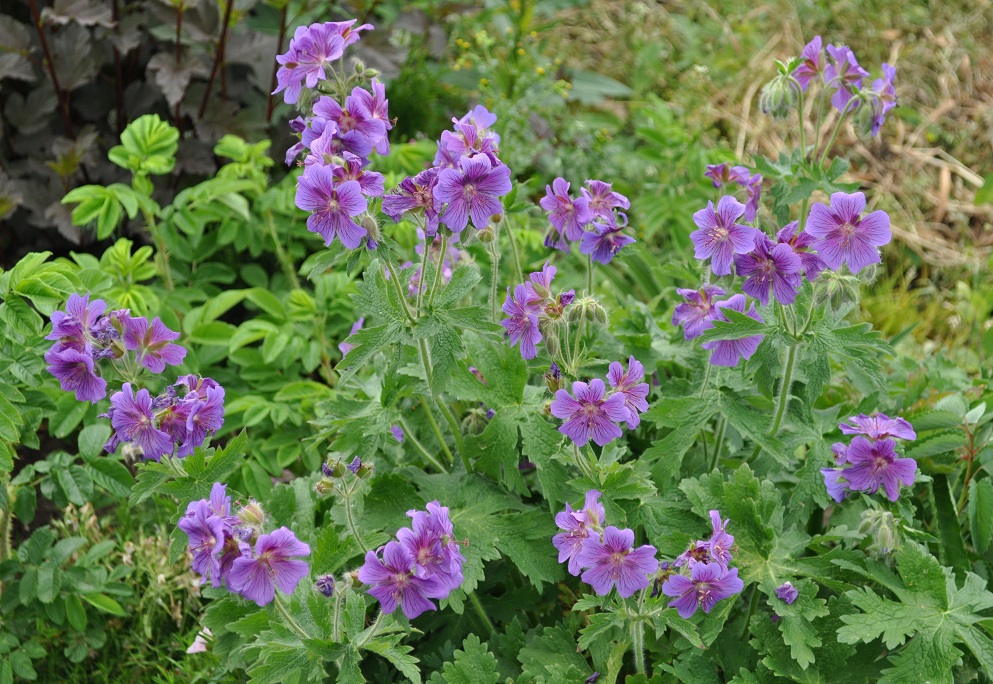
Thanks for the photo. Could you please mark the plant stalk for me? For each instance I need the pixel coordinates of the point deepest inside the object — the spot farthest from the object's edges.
(270, 102)
(408, 434)
(63, 97)
(218, 59)
(291, 623)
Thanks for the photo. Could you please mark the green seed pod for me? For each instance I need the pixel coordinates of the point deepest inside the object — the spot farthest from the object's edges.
(779, 97)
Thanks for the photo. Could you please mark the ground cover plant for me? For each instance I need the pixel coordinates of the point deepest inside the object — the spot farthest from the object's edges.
(397, 415)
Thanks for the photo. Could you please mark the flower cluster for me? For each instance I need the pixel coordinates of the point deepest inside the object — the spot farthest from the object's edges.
(533, 313)
(173, 423)
(706, 577)
(605, 556)
(871, 459)
(424, 562)
(723, 174)
(835, 235)
(593, 412)
(593, 219)
(221, 545)
(842, 73)
(85, 334)
(465, 182)
(311, 52)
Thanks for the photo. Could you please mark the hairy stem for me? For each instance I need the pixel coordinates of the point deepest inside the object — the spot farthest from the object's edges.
(371, 631)
(752, 604)
(481, 612)
(579, 336)
(517, 257)
(494, 278)
(718, 444)
(284, 259)
(350, 520)
(437, 273)
(339, 596)
(837, 128)
(422, 286)
(408, 434)
(589, 276)
(290, 622)
(395, 279)
(784, 390)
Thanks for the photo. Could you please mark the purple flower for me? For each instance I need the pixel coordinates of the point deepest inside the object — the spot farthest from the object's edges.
(719, 237)
(697, 311)
(541, 283)
(332, 205)
(729, 352)
(834, 482)
(72, 327)
(153, 344)
(431, 543)
(325, 585)
(769, 267)
(522, 324)
(482, 118)
(274, 565)
(879, 426)
(812, 263)
(568, 215)
(371, 182)
(602, 200)
(472, 191)
(205, 416)
(206, 540)
(844, 74)
(378, 107)
(753, 190)
(629, 384)
(576, 526)
(358, 116)
(132, 419)
(845, 237)
(466, 141)
(413, 194)
(345, 347)
(840, 451)
(393, 582)
(812, 63)
(720, 542)
(708, 584)
(355, 466)
(589, 415)
(74, 371)
(722, 174)
(882, 97)
(875, 464)
(787, 592)
(397, 433)
(347, 30)
(615, 561)
(311, 49)
(604, 242)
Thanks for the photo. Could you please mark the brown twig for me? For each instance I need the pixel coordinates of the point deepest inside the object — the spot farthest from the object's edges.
(271, 103)
(118, 73)
(179, 59)
(218, 58)
(62, 97)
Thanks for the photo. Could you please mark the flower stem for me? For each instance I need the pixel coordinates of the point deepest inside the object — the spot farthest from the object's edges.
(589, 276)
(784, 390)
(834, 134)
(336, 620)
(290, 622)
(421, 284)
(752, 604)
(638, 644)
(719, 444)
(371, 631)
(395, 279)
(281, 255)
(579, 335)
(350, 520)
(422, 347)
(706, 378)
(803, 144)
(408, 434)
(494, 249)
(481, 612)
(517, 257)
(437, 273)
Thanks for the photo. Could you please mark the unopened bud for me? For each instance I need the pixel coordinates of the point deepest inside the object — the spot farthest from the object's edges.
(325, 585)
(552, 344)
(779, 96)
(553, 378)
(252, 514)
(359, 66)
(371, 226)
(599, 313)
(487, 235)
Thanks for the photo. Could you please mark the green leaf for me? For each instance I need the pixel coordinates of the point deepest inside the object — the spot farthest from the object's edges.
(76, 613)
(74, 483)
(737, 326)
(104, 603)
(398, 655)
(148, 145)
(474, 664)
(949, 526)
(111, 475)
(92, 438)
(981, 514)
(984, 195)
(464, 279)
(49, 582)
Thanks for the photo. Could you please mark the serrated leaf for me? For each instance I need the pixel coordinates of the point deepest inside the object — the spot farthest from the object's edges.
(980, 511)
(473, 664)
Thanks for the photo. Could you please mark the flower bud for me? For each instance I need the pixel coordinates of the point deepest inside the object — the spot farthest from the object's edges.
(359, 66)
(487, 235)
(552, 343)
(779, 96)
(599, 313)
(884, 528)
(325, 585)
(372, 227)
(566, 298)
(553, 378)
(252, 514)
(323, 486)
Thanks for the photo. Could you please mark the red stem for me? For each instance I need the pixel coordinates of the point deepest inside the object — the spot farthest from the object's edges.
(62, 97)
(218, 57)
(118, 74)
(271, 103)
(179, 60)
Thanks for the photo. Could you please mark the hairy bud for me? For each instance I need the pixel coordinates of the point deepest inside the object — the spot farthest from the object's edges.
(779, 96)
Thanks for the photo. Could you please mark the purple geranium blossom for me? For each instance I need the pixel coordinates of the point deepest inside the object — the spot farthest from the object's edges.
(729, 352)
(472, 191)
(602, 200)
(604, 242)
(348, 30)
(882, 97)
(875, 464)
(840, 451)
(614, 561)
(274, 565)
(769, 267)
(432, 545)
(568, 215)
(834, 482)
(844, 236)
(74, 371)
(589, 415)
(720, 543)
(844, 74)
(753, 190)
(345, 347)
(332, 205)
(466, 141)
(482, 118)
(206, 534)
(708, 584)
(205, 416)
(576, 526)
(522, 324)
(371, 182)
(724, 173)
(879, 426)
(812, 263)
(379, 107)
(153, 344)
(811, 64)
(393, 582)
(72, 328)
(132, 418)
(413, 194)
(629, 383)
(719, 237)
(357, 116)
(787, 592)
(697, 311)
(311, 49)
(397, 433)
(541, 283)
